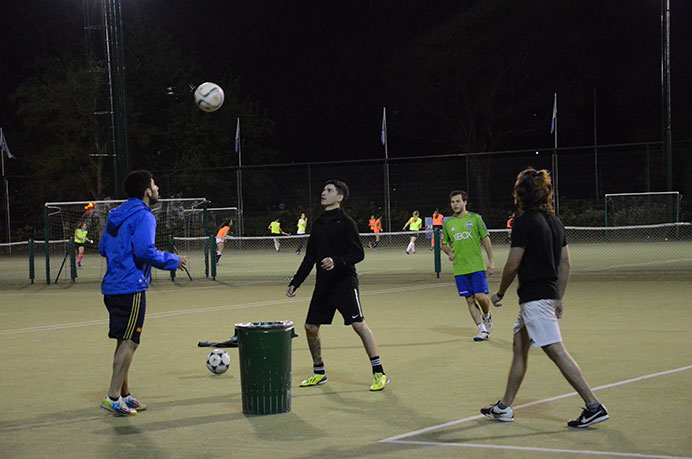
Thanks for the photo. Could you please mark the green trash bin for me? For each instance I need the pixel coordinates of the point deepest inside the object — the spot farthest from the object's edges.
(264, 354)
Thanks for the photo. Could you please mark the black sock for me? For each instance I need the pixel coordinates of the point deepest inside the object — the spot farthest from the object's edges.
(593, 406)
(113, 399)
(376, 364)
(501, 405)
(318, 369)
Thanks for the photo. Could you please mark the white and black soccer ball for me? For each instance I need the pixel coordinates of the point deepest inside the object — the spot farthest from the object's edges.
(209, 97)
(218, 361)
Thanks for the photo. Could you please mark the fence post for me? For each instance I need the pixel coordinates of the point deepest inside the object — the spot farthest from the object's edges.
(32, 271)
(438, 261)
(212, 256)
(45, 229)
(171, 249)
(73, 260)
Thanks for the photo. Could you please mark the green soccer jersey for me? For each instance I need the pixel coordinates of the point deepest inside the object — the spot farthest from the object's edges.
(463, 235)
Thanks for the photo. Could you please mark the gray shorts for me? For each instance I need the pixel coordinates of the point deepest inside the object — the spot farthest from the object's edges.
(540, 321)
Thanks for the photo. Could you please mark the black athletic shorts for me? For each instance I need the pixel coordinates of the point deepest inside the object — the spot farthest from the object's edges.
(126, 315)
(326, 301)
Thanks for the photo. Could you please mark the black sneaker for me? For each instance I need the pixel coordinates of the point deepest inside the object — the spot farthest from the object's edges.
(590, 417)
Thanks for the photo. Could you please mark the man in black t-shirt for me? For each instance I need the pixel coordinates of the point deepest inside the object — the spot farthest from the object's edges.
(539, 255)
(334, 245)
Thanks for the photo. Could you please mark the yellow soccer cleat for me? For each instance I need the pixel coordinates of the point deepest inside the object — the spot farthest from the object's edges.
(314, 380)
(379, 381)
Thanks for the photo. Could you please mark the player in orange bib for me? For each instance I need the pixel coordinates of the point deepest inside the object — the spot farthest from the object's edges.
(221, 237)
(376, 227)
(438, 220)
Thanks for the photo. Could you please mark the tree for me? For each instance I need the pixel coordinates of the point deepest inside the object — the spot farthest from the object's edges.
(166, 132)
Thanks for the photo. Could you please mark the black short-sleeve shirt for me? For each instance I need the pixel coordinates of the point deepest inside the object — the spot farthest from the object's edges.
(542, 237)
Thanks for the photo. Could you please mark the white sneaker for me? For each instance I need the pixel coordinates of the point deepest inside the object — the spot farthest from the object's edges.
(495, 412)
(488, 322)
(482, 336)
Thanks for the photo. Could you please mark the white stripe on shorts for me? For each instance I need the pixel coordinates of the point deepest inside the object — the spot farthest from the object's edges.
(540, 321)
(355, 292)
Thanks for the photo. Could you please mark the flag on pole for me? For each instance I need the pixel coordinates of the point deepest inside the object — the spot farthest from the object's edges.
(237, 136)
(554, 119)
(3, 146)
(383, 137)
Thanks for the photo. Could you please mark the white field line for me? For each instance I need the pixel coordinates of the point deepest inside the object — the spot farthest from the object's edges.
(635, 265)
(158, 315)
(400, 438)
(539, 450)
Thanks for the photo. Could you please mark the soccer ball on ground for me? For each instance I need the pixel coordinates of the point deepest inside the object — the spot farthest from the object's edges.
(218, 361)
(209, 97)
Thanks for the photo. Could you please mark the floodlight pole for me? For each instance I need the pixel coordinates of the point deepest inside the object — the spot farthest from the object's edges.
(555, 166)
(665, 88)
(239, 179)
(387, 196)
(7, 194)
(116, 76)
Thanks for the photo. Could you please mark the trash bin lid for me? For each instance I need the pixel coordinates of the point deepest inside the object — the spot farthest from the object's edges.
(278, 325)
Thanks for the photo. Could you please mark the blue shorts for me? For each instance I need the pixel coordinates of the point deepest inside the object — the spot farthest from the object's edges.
(470, 284)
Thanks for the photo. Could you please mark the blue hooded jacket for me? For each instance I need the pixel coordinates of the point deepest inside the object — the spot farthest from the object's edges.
(128, 243)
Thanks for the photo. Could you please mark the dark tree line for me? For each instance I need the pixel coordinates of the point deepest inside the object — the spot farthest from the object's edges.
(309, 81)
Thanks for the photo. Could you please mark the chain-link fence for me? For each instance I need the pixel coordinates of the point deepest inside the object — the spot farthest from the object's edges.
(660, 251)
(584, 176)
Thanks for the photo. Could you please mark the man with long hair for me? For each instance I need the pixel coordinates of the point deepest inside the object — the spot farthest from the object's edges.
(539, 255)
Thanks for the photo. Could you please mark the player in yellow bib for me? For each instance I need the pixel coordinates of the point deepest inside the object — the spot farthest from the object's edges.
(80, 237)
(413, 224)
(302, 227)
(275, 228)
(463, 235)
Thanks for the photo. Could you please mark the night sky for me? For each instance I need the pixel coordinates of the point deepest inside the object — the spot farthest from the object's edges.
(323, 70)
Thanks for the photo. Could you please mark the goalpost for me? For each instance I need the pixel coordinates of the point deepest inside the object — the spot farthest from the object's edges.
(628, 209)
(62, 218)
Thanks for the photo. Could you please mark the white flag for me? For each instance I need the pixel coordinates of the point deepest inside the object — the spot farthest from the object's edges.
(237, 136)
(554, 120)
(4, 147)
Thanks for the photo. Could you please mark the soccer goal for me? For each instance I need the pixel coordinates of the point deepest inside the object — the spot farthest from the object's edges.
(62, 252)
(629, 209)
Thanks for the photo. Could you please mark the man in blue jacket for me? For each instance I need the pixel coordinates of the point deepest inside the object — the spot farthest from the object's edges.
(128, 245)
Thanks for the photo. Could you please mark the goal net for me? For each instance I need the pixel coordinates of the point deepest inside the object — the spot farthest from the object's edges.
(631, 209)
(62, 253)
(216, 217)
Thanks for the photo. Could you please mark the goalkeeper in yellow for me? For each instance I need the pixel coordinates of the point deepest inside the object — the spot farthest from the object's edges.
(463, 235)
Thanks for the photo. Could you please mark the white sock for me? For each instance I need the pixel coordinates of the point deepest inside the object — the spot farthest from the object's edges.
(481, 327)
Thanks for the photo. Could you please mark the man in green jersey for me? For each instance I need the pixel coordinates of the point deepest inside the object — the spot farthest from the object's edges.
(463, 235)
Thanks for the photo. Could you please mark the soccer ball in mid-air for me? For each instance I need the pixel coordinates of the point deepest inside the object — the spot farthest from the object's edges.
(209, 97)
(218, 361)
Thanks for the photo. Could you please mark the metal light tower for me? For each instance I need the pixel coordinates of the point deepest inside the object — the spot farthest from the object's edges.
(665, 89)
(116, 79)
